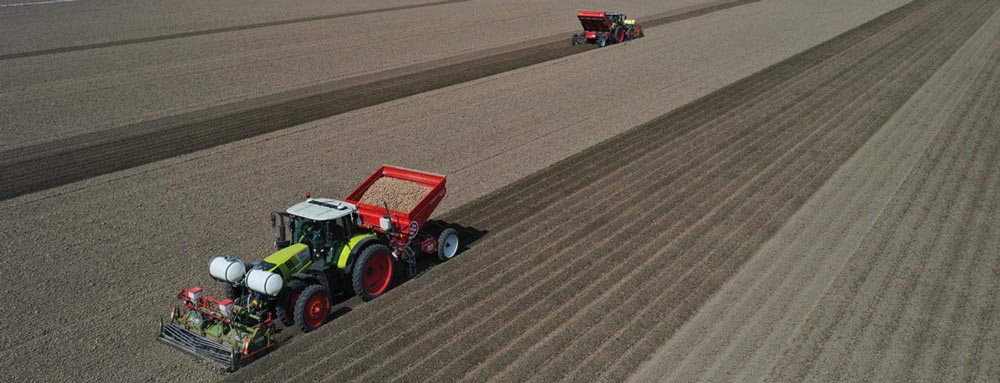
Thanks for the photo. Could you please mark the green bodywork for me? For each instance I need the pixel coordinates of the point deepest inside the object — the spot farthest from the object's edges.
(345, 252)
(291, 260)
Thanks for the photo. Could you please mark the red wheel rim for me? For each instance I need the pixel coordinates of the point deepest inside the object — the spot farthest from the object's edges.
(378, 272)
(621, 35)
(316, 310)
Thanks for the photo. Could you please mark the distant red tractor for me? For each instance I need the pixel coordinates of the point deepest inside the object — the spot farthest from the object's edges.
(603, 28)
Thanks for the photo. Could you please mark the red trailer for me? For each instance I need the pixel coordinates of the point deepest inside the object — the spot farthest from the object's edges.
(405, 227)
(604, 28)
(406, 224)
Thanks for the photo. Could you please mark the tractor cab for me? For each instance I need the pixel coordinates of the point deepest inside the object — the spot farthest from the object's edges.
(616, 18)
(322, 224)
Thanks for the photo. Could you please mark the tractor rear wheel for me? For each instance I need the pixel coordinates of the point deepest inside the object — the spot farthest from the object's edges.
(312, 308)
(285, 310)
(448, 244)
(619, 35)
(373, 272)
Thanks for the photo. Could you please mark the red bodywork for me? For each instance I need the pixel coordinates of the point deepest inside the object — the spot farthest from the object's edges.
(370, 215)
(597, 24)
(594, 21)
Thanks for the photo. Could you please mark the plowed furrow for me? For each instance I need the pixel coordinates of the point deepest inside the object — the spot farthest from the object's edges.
(565, 284)
(504, 262)
(925, 226)
(530, 336)
(587, 364)
(432, 320)
(628, 237)
(750, 343)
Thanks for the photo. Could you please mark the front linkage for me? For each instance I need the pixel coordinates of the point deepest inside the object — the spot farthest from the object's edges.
(219, 331)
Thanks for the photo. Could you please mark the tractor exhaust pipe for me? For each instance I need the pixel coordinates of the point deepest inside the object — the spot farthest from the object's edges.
(281, 242)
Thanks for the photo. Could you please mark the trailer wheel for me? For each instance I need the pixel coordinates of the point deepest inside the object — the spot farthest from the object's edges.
(602, 41)
(372, 272)
(285, 309)
(576, 39)
(312, 308)
(448, 244)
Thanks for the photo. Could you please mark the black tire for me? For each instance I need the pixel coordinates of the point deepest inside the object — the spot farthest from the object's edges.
(233, 292)
(304, 318)
(372, 253)
(618, 35)
(285, 309)
(602, 41)
(576, 39)
(448, 247)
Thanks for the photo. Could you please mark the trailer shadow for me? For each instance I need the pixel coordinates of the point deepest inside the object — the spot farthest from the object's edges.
(468, 236)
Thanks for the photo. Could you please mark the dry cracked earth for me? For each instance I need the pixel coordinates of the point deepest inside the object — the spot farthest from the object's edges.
(758, 190)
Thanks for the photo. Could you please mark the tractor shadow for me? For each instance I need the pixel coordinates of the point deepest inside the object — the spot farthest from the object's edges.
(468, 236)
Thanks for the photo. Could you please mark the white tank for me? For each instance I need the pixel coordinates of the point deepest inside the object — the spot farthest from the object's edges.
(228, 269)
(264, 282)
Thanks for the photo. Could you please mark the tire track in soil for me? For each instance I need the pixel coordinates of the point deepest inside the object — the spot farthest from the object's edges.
(45, 165)
(497, 271)
(384, 340)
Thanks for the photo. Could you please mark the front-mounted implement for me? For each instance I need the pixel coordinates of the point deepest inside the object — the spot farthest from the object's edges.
(603, 28)
(216, 330)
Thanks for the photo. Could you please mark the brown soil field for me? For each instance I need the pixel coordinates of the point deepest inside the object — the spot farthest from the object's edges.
(91, 154)
(796, 190)
(678, 205)
(257, 49)
(820, 259)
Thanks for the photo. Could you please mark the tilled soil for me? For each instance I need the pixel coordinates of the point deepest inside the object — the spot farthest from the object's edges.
(767, 308)
(593, 263)
(109, 253)
(92, 154)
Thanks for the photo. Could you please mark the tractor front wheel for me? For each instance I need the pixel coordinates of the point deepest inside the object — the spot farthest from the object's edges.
(312, 308)
(285, 310)
(373, 272)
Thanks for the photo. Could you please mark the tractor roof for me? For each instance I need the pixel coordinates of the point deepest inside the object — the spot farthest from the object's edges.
(322, 209)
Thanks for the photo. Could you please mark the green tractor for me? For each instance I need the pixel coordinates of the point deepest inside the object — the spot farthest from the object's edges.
(323, 247)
